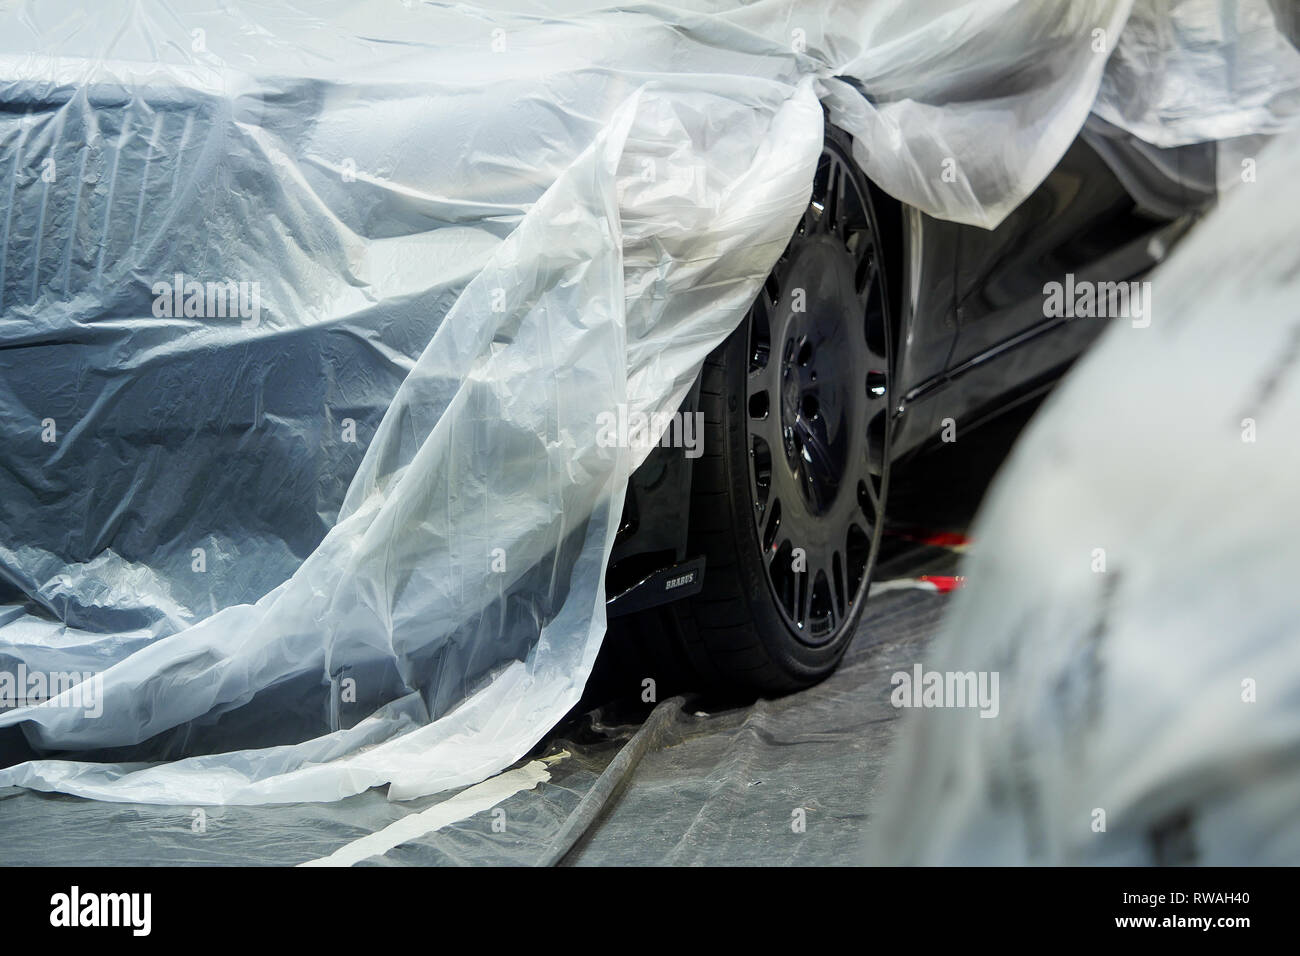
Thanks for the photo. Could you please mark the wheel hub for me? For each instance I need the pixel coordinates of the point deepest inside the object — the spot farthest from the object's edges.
(816, 362)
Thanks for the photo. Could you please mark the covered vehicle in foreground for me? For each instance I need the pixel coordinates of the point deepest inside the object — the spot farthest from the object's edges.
(1150, 686)
(309, 320)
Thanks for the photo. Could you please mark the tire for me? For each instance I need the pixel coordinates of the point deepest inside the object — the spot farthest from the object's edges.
(793, 461)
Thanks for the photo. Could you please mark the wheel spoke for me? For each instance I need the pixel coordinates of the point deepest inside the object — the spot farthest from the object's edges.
(857, 548)
(760, 331)
(805, 599)
(763, 424)
(868, 499)
(839, 587)
(834, 217)
(812, 218)
(865, 277)
(772, 530)
(832, 201)
(823, 587)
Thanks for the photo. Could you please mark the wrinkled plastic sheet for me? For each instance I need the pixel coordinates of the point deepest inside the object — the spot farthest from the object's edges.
(690, 782)
(1133, 586)
(354, 534)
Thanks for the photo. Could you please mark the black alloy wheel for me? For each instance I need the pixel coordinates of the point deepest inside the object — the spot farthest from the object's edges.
(788, 498)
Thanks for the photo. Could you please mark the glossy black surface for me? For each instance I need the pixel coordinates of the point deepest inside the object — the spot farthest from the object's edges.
(1109, 211)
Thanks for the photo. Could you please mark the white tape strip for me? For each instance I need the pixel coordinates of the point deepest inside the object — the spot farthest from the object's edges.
(475, 799)
(901, 584)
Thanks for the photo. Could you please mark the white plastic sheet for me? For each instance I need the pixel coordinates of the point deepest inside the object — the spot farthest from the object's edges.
(1235, 60)
(1134, 586)
(353, 532)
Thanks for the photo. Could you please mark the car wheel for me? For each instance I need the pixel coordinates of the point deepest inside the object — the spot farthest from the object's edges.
(788, 495)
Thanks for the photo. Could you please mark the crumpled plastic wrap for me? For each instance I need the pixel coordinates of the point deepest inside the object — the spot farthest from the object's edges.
(1134, 586)
(353, 532)
(1236, 56)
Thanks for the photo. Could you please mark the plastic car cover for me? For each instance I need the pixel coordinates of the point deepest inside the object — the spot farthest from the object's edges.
(308, 320)
(1237, 58)
(1132, 589)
